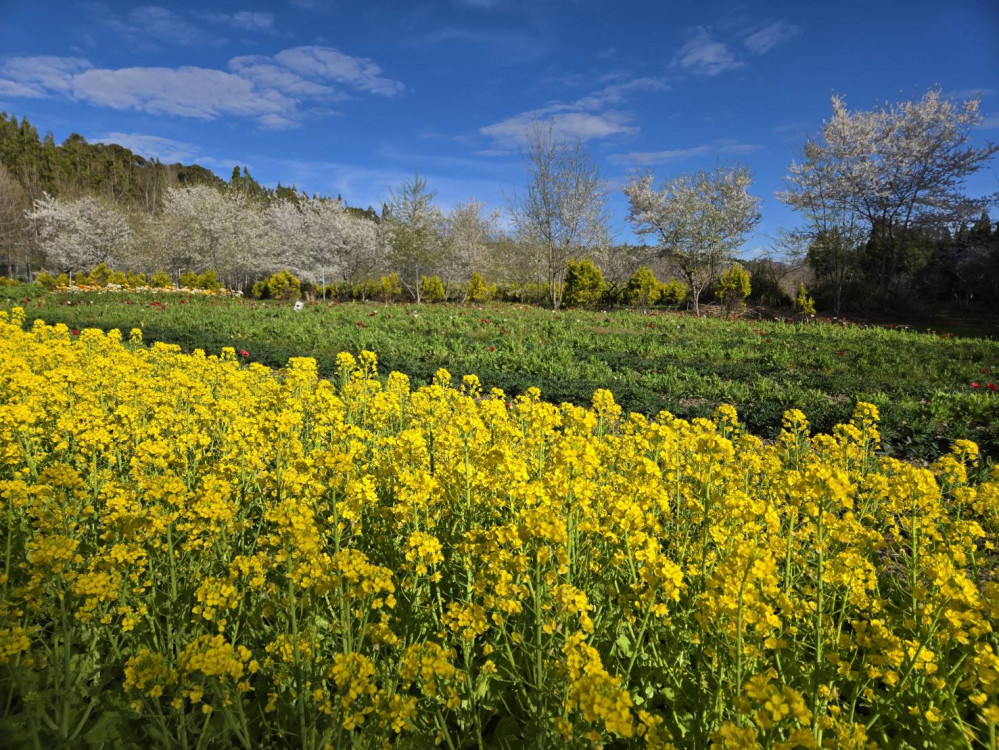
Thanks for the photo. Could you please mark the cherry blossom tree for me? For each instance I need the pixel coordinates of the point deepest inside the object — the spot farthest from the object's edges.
(319, 240)
(202, 228)
(699, 220)
(468, 231)
(79, 235)
(892, 169)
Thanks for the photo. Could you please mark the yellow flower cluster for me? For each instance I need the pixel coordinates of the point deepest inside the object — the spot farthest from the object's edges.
(201, 553)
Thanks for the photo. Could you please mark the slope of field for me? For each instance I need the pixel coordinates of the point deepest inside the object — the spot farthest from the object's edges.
(924, 385)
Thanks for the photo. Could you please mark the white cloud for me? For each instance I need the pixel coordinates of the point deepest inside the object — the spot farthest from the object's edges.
(204, 93)
(592, 116)
(271, 90)
(617, 92)
(990, 121)
(41, 74)
(704, 55)
(648, 158)
(264, 72)
(770, 36)
(513, 131)
(252, 21)
(330, 64)
(20, 90)
(321, 6)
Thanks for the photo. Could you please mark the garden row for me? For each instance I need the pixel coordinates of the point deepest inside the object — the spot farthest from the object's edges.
(931, 389)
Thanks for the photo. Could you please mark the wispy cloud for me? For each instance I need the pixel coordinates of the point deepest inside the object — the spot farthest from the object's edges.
(765, 39)
(566, 124)
(969, 93)
(649, 158)
(271, 90)
(500, 47)
(704, 54)
(793, 128)
(593, 116)
(147, 27)
(245, 20)
(170, 151)
(320, 6)
(616, 93)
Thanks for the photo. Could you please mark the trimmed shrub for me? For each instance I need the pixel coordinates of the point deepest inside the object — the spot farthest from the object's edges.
(100, 276)
(673, 293)
(478, 290)
(733, 288)
(584, 283)
(390, 287)
(804, 303)
(283, 285)
(643, 288)
(43, 280)
(161, 280)
(135, 280)
(209, 280)
(431, 289)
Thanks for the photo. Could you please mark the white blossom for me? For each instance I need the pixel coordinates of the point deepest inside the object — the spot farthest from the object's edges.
(699, 220)
(79, 235)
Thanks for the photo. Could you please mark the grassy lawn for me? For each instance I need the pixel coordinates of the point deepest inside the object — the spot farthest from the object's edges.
(922, 383)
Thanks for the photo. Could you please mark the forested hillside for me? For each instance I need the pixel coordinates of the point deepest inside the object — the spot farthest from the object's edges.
(76, 167)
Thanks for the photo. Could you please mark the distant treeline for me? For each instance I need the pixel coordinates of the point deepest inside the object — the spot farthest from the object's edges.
(71, 207)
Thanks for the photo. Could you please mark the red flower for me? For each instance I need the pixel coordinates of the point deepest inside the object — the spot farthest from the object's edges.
(991, 386)
(76, 332)
(985, 372)
(492, 348)
(840, 352)
(244, 353)
(975, 385)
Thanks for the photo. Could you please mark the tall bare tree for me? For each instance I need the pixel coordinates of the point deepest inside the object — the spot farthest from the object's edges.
(562, 214)
(415, 228)
(13, 224)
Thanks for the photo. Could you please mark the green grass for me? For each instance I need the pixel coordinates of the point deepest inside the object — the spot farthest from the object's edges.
(672, 361)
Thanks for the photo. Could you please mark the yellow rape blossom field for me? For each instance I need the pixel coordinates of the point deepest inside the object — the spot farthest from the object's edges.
(201, 554)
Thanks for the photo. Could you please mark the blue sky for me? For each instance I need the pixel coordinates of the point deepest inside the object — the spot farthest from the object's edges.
(344, 97)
